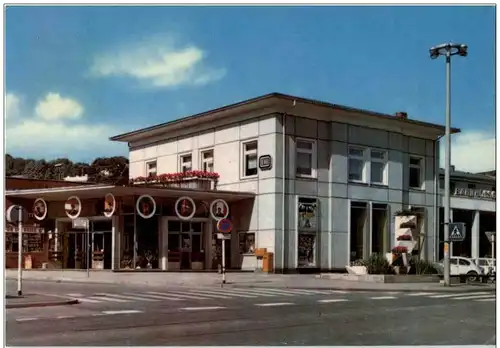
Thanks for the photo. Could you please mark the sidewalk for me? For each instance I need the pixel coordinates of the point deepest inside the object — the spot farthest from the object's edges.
(35, 300)
(305, 281)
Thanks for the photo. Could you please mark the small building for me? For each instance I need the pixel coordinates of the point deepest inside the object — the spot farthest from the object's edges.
(315, 183)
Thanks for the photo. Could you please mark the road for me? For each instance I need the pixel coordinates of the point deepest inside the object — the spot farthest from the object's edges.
(122, 315)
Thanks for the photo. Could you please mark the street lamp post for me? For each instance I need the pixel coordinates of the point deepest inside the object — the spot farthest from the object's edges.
(447, 50)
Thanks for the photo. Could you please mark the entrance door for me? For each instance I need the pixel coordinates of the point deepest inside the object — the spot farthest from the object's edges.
(197, 250)
(186, 250)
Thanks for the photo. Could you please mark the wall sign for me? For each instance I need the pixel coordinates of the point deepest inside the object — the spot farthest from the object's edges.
(185, 208)
(73, 207)
(265, 162)
(40, 209)
(145, 206)
(475, 193)
(13, 212)
(109, 205)
(219, 209)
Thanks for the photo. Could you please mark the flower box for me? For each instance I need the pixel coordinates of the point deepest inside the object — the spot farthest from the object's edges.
(195, 179)
(399, 250)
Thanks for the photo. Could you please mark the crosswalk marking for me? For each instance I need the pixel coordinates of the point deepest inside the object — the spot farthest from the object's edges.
(486, 300)
(208, 293)
(383, 298)
(255, 292)
(201, 308)
(168, 298)
(227, 292)
(274, 304)
(280, 293)
(120, 296)
(471, 297)
(332, 300)
(105, 298)
(460, 294)
(191, 297)
(421, 294)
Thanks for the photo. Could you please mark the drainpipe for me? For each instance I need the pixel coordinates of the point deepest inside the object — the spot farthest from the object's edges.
(436, 199)
(283, 195)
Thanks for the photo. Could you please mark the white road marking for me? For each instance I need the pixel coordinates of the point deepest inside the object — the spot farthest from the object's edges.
(255, 292)
(168, 298)
(201, 308)
(26, 319)
(65, 317)
(333, 300)
(473, 297)
(486, 300)
(236, 294)
(191, 297)
(383, 298)
(460, 294)
(421, 294)
(207, 294)
(126, 311)
(81, 298)
(287, 292)
(120, 296)
(105, 298)
(274, 304)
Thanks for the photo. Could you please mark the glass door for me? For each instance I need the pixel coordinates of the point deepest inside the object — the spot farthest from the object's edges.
(197, 250)
(186, 245)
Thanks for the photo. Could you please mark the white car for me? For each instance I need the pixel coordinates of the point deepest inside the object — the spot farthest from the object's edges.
(462, 266)
(486, 264)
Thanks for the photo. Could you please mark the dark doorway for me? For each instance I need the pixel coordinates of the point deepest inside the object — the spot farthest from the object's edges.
(357, 230)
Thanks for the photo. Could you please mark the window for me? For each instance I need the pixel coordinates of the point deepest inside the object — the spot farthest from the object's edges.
(186, 163)
(306, 158)
(247, 243)
(207, 161)
(471, 186)
(378, 165)
(250, 158)
(463, 262)
(356, 164)
(416, 172)
(151, 168)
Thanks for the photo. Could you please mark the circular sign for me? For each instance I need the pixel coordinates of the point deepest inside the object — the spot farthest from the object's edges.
(185, 208)
(146, 206)
(73, 207)
(109, 205)
(40, 209)
(14, 212)
(224, 226)
(219, 209)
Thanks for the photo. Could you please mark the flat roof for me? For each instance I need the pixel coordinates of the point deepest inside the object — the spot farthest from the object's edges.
(100, 190)
(200, 116)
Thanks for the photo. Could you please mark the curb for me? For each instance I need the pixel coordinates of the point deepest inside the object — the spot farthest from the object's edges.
(41, 304)
(441, 290)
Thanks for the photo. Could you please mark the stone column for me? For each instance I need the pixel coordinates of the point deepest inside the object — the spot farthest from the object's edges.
(475, 235)
(116, 232)
(451, 244)
(163, 243)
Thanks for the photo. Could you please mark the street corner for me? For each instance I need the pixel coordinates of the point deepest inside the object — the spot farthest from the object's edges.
(36, 300)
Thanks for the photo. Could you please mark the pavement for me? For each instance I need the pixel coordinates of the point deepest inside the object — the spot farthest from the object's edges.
(117, 314)
(171, 279)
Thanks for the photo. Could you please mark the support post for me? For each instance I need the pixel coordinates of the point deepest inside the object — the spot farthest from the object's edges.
(447, 161)
(223, 262)
(20, 253)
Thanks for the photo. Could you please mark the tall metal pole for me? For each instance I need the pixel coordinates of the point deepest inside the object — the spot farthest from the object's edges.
(20, 253)
(447, 163)
(223, 261)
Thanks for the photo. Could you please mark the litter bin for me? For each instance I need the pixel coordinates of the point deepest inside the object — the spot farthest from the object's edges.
(268, 262)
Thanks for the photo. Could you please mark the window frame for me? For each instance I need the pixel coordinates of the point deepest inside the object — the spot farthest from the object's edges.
(203, 160)
(385, 161)
(314, 157)
(182, 164)
(149, 173)
(363, 158)
(244, 154)
(421, 167)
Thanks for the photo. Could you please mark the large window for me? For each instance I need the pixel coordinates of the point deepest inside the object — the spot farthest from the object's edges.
(250, 153)
(367, 165)
(416, 172)
(207, 161)
(307, 211)
(306, 158)
(186, 163)
(151, 168)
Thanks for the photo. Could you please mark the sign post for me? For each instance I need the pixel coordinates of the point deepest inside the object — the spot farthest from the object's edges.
(224, 226)
(491, 238)
(16, 214)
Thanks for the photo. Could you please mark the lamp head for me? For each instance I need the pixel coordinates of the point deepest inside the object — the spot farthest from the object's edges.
(462, 50)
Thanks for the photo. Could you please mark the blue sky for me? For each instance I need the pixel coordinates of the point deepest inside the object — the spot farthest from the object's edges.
(75, 74)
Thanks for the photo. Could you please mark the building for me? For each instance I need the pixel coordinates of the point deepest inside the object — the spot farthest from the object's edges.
(315, 183)
(473, 202)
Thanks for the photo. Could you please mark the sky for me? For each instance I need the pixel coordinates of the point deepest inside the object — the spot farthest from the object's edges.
(77, 75)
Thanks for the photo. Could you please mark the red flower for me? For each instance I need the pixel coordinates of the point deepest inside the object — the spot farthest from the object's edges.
(170, 177)
(399, 250)
(404, 237)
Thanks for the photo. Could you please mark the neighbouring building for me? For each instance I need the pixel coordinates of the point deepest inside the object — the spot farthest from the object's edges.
(315, 183)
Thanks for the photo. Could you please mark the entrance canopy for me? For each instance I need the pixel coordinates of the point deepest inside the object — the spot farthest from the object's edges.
(98, 191)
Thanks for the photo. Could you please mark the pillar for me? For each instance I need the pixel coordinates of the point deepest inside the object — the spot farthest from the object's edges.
(116, 232)
(475, 235)
(367, 232)
(451, 220)
(163, 243)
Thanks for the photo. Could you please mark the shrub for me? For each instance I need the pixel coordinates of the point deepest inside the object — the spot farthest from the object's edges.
(421, 267)
(378, 264)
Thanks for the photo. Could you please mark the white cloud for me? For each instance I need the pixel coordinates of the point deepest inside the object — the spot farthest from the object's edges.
(157, 62)
(56, 127)
(12, 106)
(53, 107)
(471, 151)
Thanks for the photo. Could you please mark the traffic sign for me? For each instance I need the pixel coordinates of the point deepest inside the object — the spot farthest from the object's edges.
(224, 226)
(223, 236)
(457, 231)
(491, 236)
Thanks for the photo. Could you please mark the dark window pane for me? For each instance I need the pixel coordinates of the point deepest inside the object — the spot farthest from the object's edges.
(174, 226)
(415, 177)
(174, 241)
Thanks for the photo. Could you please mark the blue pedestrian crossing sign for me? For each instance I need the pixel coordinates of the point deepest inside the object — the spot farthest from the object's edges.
(457, 231)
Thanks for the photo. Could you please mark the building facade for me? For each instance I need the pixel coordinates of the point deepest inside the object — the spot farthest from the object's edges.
(327, 179)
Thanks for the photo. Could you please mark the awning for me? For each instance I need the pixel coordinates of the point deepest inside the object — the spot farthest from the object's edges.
(99, 191)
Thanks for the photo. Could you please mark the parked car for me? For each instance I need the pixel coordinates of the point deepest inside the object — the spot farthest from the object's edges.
(487, 265)
(462, 266)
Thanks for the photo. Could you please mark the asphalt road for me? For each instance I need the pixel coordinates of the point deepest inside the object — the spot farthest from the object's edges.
(252, 317)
